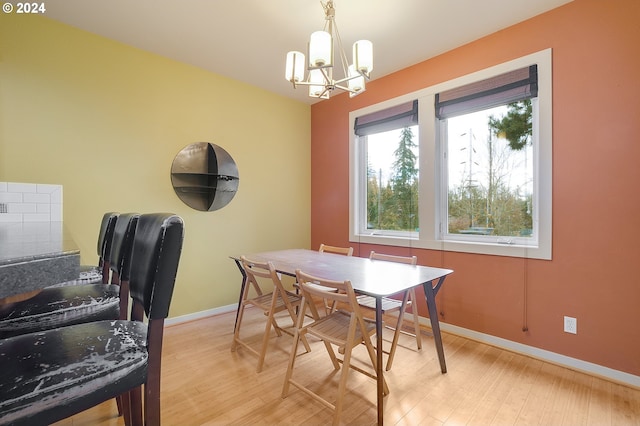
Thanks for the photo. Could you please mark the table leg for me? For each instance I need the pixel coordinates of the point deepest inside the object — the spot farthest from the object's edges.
(244, 283)
(430, 295)
(379, 369)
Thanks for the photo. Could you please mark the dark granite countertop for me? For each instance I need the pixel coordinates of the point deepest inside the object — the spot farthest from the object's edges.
(34, 255)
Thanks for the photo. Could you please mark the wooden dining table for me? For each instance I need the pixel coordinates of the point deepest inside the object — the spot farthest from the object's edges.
(370, 277)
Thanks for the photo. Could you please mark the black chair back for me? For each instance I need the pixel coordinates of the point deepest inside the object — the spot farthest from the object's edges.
(154, 262)
(123, 235)
(105, 236)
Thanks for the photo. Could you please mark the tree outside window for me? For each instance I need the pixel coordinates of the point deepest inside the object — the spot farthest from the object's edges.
(392, 180)
(490, 172)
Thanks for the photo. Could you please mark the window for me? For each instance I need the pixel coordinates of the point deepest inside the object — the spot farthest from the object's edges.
(464, 165)
(486, 135)
(389, 139)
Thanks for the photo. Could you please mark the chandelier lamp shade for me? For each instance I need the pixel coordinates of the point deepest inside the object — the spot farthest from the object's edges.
(321, 76)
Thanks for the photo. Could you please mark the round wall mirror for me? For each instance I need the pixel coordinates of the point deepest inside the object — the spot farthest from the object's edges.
(204, 176)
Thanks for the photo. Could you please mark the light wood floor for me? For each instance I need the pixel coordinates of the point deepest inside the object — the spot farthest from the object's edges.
(204, 383)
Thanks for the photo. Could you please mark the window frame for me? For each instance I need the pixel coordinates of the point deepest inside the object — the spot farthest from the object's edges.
(432, 193)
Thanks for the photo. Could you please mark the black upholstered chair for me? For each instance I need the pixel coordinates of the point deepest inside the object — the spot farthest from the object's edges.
(51, 375)
(60, 306)
(98, 274)
(120, 258)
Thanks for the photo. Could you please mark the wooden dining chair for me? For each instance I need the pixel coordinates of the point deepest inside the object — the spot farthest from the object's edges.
(344, 329)
(390, 305)
(51, 375)
(59, 306)
(348, 251)
(120, 258)
(272, 298)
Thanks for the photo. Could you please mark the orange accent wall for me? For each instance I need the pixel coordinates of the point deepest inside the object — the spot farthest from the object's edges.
(594, 273)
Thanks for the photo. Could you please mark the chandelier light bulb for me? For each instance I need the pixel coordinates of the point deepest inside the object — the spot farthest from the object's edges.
(363, 56)
(320, 50)
(294, 70)
(317, 87)
(356, 83)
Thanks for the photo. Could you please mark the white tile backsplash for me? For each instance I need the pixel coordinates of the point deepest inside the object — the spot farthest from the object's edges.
(30, 202)
(47, 189)
(21, 187)
(11, 217)
(10, 197)
(55, 215)
(28, 197)
(56, 196)
(36, 217)
(23, 207)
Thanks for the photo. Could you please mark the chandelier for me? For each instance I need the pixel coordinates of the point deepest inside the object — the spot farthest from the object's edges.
(321, 77)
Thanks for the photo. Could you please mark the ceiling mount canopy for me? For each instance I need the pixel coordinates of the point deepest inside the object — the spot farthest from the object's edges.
(321, 77)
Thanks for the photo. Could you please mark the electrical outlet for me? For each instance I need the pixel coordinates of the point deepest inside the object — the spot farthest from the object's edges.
(570, 325)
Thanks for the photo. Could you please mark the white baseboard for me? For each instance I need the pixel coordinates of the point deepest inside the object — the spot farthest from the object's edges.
(552, 357)
(202, 314)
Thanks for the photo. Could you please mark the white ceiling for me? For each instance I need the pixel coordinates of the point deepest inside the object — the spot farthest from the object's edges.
(248, 40)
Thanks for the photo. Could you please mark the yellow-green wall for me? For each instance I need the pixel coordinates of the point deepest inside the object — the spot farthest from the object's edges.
(105, 120)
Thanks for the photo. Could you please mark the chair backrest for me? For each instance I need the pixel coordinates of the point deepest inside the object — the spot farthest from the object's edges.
(123, 234)
(264, 270)
(338, 250)
(410, 260)
(106, 235)
(121, 248)
(157, 246)
(316, 288)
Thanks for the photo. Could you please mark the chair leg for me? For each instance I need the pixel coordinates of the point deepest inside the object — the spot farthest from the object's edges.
(152, 385)
(276, 326)
(239, 315)
(135, 396)
(151, 407)
(306, 344)
(124, 404)
(346, 362)
(236, 332)
(265, 339)
(396, 332)
(293, 313)
(292, 360)
(119, 405)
